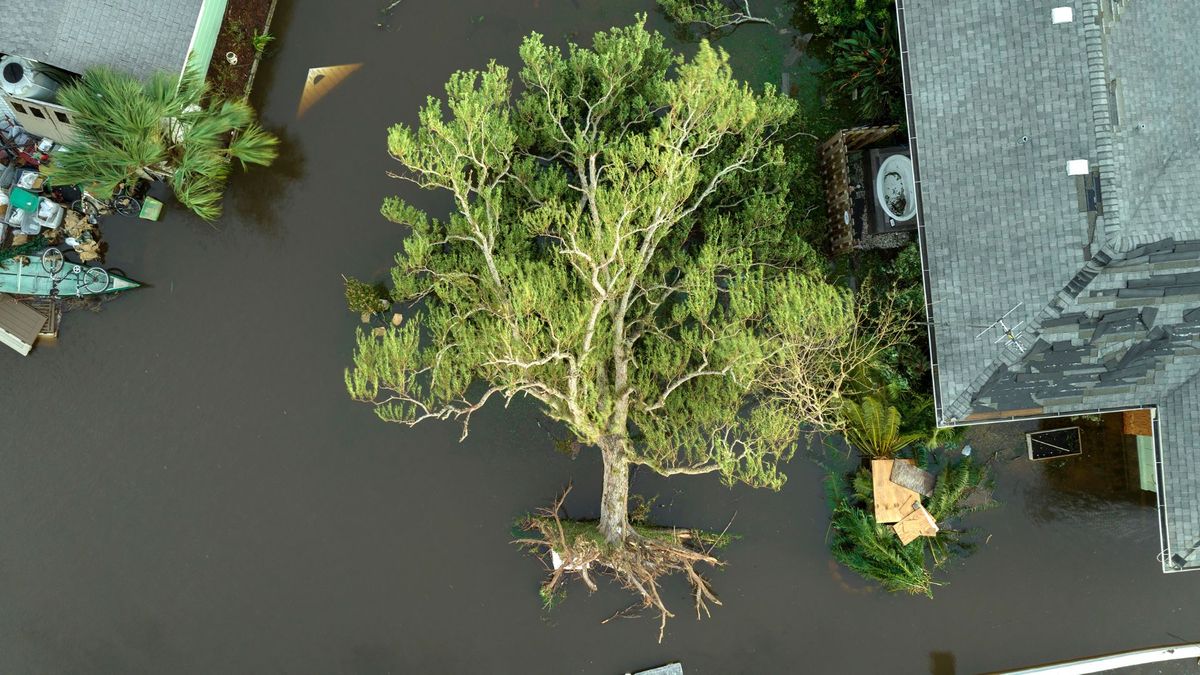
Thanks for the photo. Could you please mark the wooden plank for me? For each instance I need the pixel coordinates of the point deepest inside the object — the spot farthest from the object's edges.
(48, 308)
(19, 325)
(916, 524)
(1137, 422)
(892, 502)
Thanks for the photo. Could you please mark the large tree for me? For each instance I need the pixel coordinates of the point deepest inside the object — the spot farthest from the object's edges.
(619, 252)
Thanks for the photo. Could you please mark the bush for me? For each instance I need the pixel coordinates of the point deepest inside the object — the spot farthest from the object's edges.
(874, 551)
(865, 73)
(873, 428)
(363, 298)
(843, 14)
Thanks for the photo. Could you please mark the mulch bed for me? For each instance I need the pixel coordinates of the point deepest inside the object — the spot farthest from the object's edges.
(242, 19)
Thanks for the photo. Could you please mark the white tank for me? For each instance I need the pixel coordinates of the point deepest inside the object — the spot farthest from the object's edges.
(895, 188)
(21, 77)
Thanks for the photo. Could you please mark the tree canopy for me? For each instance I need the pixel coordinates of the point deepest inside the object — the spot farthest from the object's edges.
(162, 128)
(620, 252)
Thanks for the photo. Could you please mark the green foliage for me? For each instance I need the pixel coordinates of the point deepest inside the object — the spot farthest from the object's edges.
(621, 251)
(865, 73)
(871, 549)
(364, 298)
(711, 15)
(30, 247)
(874, 429)
(874, 551)
(260, 41)
(900, 377)
(127, 129)
(833, 15)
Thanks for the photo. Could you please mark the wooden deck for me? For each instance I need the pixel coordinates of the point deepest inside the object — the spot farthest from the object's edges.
(49, 309)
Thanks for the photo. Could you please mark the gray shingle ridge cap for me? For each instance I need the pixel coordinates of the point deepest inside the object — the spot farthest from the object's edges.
(1010, 355)
(1098, 78)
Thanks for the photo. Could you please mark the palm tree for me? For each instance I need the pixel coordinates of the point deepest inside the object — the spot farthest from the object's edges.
(875, 429)
(159, 129)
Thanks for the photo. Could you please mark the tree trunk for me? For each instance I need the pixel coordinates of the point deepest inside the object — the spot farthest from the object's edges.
(614, 500)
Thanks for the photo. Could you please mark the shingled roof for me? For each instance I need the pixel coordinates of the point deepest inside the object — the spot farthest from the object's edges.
(139, 37)
(1104, 268)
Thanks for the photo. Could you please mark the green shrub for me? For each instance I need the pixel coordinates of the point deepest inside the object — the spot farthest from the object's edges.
(865, 73)
(842, 14)
(874, 428)
(874, 551)
(363, 298)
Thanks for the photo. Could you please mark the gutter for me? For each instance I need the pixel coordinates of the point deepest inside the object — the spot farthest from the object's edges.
(914, 155)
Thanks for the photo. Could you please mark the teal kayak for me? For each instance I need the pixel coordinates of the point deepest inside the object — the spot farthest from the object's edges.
(17, 278)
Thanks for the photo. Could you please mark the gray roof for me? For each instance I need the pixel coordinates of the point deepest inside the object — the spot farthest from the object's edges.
(139, 37)
(1104, 270)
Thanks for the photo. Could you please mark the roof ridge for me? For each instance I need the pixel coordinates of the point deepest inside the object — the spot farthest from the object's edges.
(1102, 117)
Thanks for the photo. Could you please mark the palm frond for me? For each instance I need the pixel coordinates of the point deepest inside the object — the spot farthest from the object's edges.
(874, 428)
(127, 128)
(254, 145)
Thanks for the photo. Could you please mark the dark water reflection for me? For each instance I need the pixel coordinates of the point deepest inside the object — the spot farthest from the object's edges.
(186, 489)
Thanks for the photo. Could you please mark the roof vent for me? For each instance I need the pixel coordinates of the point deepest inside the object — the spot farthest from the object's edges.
(1077, 167)
(1062, 15)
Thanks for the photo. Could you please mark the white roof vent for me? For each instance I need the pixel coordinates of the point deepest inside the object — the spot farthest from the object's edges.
(1077, 167)
(1062, 15)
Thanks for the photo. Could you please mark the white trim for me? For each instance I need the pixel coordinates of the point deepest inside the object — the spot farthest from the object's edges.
(187, 54)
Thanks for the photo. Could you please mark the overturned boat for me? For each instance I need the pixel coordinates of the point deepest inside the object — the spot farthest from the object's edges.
(50, 276)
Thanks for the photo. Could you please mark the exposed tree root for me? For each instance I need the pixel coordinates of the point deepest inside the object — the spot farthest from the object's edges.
(638, 563)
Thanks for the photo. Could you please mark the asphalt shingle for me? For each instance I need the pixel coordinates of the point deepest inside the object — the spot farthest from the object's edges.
(1108, 288)
(139, 37)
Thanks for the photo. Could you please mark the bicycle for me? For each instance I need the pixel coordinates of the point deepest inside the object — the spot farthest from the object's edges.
(92, 207)
(87, 279)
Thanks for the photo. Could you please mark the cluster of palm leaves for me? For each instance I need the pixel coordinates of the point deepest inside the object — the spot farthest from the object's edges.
(874, 428)
(873, 549)
(159, 129)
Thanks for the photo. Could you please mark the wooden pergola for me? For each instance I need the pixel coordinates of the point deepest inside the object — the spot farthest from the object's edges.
(835, 174)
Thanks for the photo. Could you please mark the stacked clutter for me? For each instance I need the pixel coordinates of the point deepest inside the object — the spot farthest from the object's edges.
(28, 207)
(898, 486)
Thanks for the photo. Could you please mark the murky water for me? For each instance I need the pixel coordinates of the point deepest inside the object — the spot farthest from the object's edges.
(185, 488)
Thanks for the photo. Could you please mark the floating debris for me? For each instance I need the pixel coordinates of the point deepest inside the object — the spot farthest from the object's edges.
(321, 81)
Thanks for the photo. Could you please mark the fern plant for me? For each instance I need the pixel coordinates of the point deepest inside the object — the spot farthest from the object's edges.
(871, 549)
(874, 428)
(875, 552)
(950, 501)
(159, 129)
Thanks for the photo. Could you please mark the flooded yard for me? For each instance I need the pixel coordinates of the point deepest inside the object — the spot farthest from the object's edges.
(185, 487)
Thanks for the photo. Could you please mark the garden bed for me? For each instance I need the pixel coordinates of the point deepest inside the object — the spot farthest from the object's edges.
(244, 19)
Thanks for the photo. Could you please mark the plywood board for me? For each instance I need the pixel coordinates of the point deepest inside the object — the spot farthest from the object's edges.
(892, 502)
(1137, 423)
(916, 524)
(19, 325)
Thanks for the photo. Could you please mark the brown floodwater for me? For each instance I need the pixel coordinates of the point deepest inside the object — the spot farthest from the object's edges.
(186, 488)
